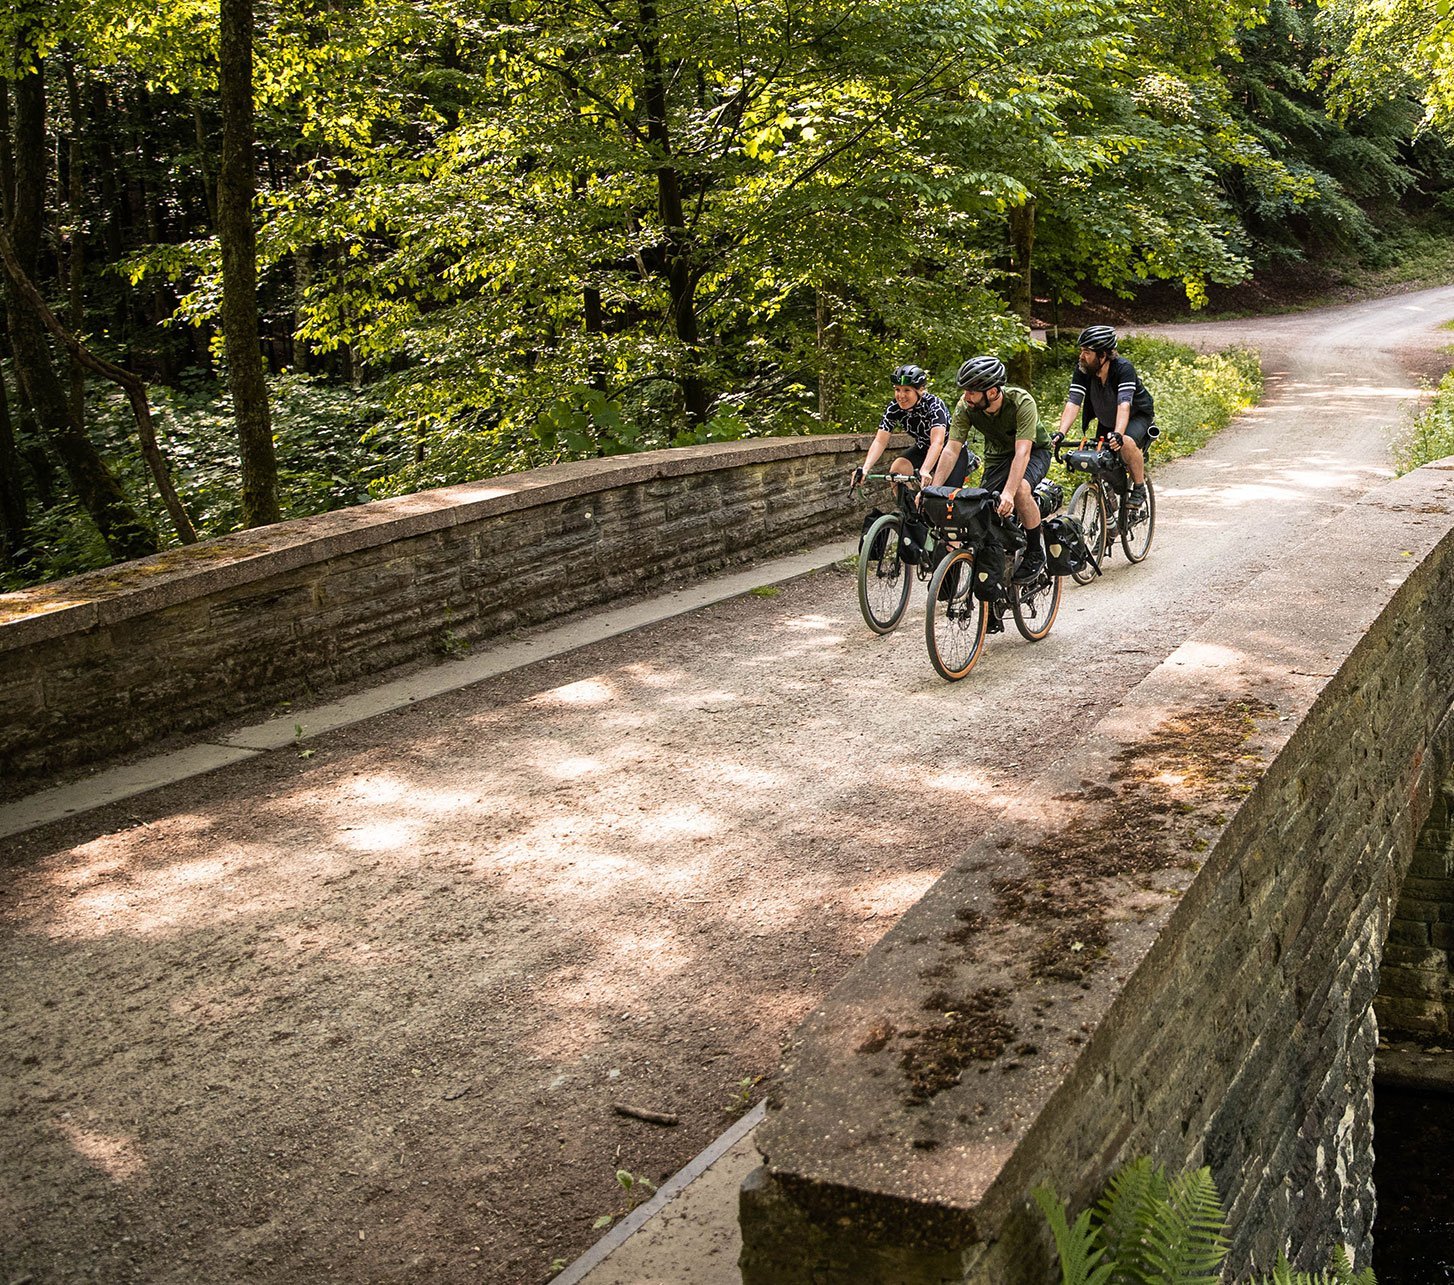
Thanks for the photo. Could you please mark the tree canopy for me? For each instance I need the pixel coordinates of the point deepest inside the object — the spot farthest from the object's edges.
(511, 232)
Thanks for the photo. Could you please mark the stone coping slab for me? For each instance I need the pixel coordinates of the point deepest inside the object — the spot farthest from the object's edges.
(116, 593)
(946, 1164)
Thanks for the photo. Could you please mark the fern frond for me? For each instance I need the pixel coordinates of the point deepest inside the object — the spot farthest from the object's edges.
(1076, 1245)
(1131, 1193)
(1186, 1238)
(1343, 1273)
(1339, 1272)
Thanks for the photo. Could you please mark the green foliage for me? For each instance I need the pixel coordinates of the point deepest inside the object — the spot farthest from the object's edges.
(332, 444)
(1149, 1229)
(506, 234)
(1393, 49)
(1339, 1272)
(1431, 434)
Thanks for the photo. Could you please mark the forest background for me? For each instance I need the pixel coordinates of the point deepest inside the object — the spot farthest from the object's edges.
(262, 263)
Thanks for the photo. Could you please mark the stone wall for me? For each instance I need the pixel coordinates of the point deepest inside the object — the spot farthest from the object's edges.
(1182, 965)
(111, 660)
(1416, 987)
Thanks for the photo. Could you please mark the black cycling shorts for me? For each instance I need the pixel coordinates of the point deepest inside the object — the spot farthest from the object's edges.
(997, 472)
(915, 455)
(1136, 430)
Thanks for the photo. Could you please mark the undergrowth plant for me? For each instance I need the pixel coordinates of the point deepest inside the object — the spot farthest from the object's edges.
(1431, 435)
(1149, 1229)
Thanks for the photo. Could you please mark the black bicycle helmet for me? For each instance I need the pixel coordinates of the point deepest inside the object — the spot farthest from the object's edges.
(1097, 338)
(980, 374)
(909, 377)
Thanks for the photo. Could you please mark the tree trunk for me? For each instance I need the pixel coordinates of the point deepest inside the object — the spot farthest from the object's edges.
(74, 240)
(681, 270)
(13, 516)
(238, 240)
(209, 193)
(830, 337)
(126, 535)
(7, 154)
(1022, 246)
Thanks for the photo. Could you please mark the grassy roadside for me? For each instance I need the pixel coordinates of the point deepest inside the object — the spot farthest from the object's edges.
(1431, 434)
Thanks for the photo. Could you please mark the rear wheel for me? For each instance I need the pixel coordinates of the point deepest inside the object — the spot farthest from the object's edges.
(1136, 534)
(1035, 604)
(883, 577)
(1089, 509)
(955, 621)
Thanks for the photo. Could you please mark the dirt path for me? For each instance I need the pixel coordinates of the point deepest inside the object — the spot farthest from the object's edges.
(362, 1016)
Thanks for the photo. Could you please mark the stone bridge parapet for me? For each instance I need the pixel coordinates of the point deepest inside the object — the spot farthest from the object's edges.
(111, 660)
(1171, 947)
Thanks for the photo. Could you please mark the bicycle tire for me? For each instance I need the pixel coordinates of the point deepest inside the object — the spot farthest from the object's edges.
(884, 581)
(1035, 604)
(1136, 536)
(954, 626)
(1088, 507)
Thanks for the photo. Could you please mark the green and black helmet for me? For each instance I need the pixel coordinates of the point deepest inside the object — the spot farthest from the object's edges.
(910, 377)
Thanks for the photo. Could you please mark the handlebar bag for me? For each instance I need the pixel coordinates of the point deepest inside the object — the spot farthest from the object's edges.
(965, 509)
(1090, 461)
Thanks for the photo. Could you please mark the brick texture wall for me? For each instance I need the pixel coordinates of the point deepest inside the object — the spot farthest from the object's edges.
(1230, 1021)
(1416, 987)
(113, 660)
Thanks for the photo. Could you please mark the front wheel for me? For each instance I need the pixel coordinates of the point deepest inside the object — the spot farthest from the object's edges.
(955, 622)
(1089, 509)
(883, 578)
(1136, 535)
(1035, 604)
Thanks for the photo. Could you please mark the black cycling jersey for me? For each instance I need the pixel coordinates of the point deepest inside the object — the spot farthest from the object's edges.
(1099, 400)
(919, 421)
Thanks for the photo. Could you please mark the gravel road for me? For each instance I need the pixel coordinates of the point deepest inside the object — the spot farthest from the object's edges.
(364, 1015)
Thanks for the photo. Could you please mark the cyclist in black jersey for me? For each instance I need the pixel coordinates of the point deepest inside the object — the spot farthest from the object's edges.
(1105, 387)
(924, 417)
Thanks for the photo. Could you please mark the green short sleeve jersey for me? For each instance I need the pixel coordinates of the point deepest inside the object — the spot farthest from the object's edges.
(1018, 420)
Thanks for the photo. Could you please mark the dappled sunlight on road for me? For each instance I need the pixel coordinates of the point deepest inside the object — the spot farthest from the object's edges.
(379, 790)
(591, 691)
(380, 836)
(116, 1155)
(962, 781)
(889, 895)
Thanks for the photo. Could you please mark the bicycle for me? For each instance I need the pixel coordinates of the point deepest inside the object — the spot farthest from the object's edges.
(959, 618)
(892, 543)
(1101, 505)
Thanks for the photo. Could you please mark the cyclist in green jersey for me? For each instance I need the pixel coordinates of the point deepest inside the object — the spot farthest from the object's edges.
(1016, 448)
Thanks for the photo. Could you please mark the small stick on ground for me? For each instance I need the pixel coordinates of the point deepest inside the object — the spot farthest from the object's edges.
(641, 1113)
